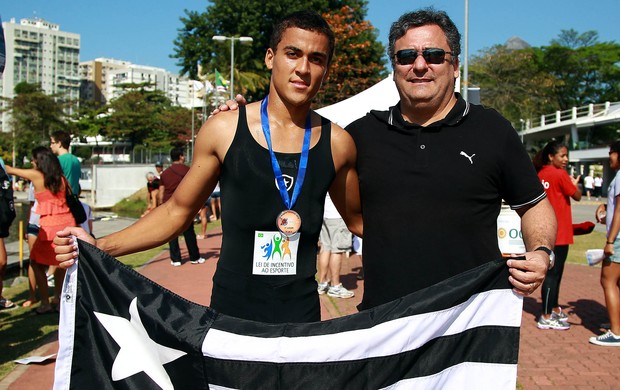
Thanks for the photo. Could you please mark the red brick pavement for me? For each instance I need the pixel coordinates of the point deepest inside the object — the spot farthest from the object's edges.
(547, 359)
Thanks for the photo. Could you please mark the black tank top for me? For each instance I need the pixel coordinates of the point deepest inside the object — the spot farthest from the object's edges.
(250, 202)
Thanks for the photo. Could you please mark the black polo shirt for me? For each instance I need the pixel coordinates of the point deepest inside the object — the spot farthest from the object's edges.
(431, 195)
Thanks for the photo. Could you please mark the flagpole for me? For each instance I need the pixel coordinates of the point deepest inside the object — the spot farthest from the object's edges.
(232, 68)
(465, 89)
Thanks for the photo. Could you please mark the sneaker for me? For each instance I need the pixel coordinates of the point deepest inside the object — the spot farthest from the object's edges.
(340, 292)
(607, 340)
(322, 288)
(200, 237)
(6, 304)
(175, 263)
(551, 323)
(50, 281)
(561, 316)
(199, 261)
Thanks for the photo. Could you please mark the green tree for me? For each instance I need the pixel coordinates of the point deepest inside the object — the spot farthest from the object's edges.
(511, 82)
(575, 70)
(583, 74)
(573, 40)
(135, 116)
(88, 120)
(358, 62)
(33, 117)
(177, 125)
(194, 44)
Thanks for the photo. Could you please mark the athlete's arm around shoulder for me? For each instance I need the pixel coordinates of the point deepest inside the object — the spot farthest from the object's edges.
(344, 190)
(172, 217)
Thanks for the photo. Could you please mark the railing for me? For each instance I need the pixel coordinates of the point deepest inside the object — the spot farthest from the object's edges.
(591, 110)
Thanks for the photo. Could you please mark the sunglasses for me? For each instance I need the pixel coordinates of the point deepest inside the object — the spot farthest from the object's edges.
(431, 56)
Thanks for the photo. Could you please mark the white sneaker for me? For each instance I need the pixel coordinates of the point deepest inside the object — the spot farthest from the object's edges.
(552, 323)
(199, 261)
(175, 263)
(322, 288)
(340, 292)
(561, 316)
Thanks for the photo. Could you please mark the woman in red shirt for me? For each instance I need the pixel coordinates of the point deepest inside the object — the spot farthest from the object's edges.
(551, 163)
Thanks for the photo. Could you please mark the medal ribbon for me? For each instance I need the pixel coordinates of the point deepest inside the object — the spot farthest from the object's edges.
(303, 161)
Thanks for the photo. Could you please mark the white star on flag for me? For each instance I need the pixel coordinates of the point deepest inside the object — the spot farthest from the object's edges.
(138, 351)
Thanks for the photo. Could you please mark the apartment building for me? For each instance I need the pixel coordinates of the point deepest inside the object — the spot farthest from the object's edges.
(37, 51)
(103, 80)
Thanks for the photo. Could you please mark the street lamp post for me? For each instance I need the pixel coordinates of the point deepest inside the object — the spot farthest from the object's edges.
(222, 38)
(465, 89)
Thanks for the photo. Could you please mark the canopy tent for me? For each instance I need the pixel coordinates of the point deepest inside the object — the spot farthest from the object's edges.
(380, 96)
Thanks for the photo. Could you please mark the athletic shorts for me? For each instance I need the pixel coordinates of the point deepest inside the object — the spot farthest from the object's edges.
(615, 258)
(32, 229)
(335, 237)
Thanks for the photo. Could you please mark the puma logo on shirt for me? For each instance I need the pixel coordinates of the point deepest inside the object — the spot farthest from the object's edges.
(470, 158)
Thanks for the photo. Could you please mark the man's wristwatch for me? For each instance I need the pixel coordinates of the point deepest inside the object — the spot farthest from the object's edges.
(549, 252)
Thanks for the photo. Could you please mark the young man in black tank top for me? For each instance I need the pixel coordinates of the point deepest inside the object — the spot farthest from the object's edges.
(301, 49)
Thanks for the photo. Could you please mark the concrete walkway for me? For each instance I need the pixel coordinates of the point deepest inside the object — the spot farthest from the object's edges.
(547, 359)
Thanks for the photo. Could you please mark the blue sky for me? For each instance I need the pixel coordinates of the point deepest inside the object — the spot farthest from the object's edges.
(143, 31)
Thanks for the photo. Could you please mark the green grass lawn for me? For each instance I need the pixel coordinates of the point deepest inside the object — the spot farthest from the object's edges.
(577, 251)
(22, 331)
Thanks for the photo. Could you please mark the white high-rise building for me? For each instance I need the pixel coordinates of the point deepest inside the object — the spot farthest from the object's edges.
(38, 52)
(103, 80)
(93, 75)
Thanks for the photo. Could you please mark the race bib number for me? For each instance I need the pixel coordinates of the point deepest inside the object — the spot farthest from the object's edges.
(275, 254)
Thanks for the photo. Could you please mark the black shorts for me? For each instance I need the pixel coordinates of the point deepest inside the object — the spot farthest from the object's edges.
(32, 230)
(4, 231)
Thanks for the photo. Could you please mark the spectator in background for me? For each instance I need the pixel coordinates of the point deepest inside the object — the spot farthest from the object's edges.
(170, 180)
(335, 240)
(203, 213)
(159, 168)
(213, 204)
(610, 271)
(7, 218)
(216, 204)
(152, 186)
(88, 224)
(71, 167)
(588, 184)
(550, 163)
(50, 192)
(358, 244)
(60, 142)
(598, 186)
(32, 231)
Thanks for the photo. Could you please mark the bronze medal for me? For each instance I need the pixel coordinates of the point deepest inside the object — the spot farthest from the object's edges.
(288, 222)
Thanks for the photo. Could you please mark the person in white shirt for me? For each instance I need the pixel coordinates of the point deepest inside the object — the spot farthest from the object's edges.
(588, 184)
(335, 240)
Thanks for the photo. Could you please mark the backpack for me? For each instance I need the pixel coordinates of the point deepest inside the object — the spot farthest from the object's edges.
(7, 204)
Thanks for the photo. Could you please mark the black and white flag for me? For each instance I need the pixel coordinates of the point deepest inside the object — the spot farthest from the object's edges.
(120, 330)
